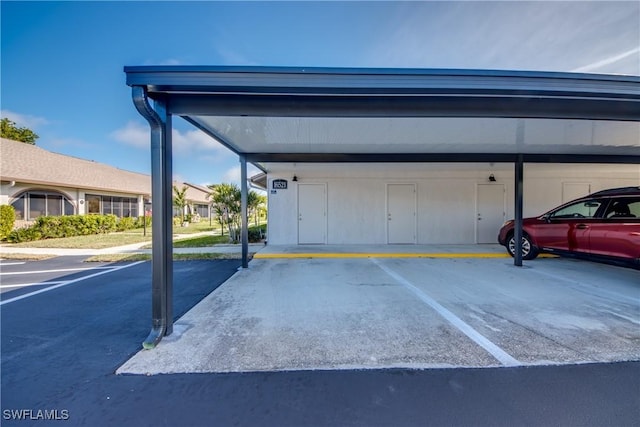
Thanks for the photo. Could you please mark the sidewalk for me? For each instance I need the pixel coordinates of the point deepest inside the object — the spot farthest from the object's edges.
(134, 248)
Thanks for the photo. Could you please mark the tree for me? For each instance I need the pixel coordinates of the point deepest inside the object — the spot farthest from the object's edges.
(9, 130)
(216, 208)
(255, 201)
(180, 200)
(226, 203)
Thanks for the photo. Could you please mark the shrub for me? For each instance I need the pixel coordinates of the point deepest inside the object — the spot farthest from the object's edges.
(140, 221)
(257, 233)
(126, 223)
(7, 220)
(26, 234)
(50, 227)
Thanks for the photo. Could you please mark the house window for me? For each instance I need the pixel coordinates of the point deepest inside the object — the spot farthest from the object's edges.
(32, 204)
(37, 205)
(93, 204)
(118, 206)
(19, 207)
(202, 210)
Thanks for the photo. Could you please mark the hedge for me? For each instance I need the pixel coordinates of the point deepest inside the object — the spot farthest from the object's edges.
(7, 220)
(51, 227)
(257, 233)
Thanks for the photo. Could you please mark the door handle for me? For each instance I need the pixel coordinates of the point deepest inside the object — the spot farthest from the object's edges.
(582, 226)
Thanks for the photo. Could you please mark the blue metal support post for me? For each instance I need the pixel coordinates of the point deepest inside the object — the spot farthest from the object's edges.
(161, 186)
(243, 208)
(166, 251)
(519, 166)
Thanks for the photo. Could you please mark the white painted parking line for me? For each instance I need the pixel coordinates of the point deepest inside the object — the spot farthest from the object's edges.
(2, 263)
(59, 270)
(111, 269)
(501, 355)
(24, 285)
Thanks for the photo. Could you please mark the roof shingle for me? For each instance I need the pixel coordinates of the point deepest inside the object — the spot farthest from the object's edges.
(29, 163)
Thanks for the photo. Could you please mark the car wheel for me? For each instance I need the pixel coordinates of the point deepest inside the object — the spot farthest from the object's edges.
(529, 251)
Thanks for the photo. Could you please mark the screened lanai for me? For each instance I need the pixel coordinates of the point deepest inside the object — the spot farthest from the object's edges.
(269, 116)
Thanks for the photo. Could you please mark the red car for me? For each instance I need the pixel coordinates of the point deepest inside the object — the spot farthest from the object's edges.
(605, 224)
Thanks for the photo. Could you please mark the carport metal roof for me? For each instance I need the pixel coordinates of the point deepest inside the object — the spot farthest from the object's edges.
(285, 114)
(329, 114)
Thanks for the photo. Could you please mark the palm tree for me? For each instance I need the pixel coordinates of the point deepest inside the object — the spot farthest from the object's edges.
(254, 202)
(226, 203)
(180, 200)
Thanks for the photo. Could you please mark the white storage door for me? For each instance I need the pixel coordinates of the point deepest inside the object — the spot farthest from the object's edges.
(401, 213)
(312, 213)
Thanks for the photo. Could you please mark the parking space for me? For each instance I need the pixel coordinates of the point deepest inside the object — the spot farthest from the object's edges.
(343, 311)
(20, 279)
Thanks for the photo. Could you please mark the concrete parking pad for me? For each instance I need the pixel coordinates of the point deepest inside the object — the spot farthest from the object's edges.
(343, 312)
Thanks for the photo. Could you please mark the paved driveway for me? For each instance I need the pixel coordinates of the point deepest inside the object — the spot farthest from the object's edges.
(345, 313)
(60, 350)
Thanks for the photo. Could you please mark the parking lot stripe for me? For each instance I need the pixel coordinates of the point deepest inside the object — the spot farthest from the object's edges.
(110, 270)
(24, 285)
(60, 270)
(501, 355)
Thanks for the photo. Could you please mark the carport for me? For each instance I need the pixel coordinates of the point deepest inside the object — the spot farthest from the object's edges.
(257, 112)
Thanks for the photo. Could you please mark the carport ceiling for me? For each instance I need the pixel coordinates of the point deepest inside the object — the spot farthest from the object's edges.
(404, 115)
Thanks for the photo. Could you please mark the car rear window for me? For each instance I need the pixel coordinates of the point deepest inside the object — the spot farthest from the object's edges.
(624, 207)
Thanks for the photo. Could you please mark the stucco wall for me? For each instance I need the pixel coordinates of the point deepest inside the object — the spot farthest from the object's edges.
(446, 197)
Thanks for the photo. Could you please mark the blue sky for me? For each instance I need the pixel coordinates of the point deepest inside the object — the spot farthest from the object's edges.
(62, 62)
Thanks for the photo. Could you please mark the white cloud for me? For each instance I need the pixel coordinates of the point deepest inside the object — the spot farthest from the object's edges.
(233, 175)
(599, 65)
(134, 134)
(190, 142)
(24, 120)
(196, 141)
(552, 36)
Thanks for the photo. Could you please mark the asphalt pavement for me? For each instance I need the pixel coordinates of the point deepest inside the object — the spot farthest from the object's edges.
(60, 350)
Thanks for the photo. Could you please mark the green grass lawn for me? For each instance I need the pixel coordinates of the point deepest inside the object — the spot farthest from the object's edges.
(101, 241)
(196, 227)
(95, 241)
(200, 241)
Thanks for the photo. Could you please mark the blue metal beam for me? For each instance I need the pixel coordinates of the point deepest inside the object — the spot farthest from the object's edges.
(162, 262)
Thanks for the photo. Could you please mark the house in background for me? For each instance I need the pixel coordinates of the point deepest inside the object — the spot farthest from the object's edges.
(198, 201)
(38, 182)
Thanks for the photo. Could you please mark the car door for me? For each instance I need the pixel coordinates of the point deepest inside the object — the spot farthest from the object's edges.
(568, 228)
(617, 234)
